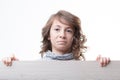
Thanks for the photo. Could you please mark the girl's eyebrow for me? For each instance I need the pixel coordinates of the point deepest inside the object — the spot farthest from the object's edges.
(68, 27)
(57, 25)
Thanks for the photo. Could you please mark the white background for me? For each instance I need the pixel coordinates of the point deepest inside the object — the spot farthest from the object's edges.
(21, 22)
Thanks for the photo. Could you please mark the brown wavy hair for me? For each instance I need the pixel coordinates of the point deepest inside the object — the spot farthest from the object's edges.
(79, 39)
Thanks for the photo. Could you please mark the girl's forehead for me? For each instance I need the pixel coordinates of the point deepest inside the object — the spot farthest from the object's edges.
(62, 22)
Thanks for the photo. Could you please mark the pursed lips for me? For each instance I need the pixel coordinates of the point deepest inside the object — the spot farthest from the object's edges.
(61, 42)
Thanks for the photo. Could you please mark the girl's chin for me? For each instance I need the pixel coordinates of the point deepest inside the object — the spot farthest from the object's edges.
(62, 49)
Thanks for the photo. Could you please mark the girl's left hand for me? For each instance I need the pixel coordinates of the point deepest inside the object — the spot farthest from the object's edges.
(104, 61)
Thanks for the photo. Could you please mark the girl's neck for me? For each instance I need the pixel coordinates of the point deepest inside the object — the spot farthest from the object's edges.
(60, 52)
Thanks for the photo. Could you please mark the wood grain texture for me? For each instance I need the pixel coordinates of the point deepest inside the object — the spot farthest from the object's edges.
(60, 70)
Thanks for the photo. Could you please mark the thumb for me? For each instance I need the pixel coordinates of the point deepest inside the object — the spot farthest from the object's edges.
(98, 58)
(13, 57)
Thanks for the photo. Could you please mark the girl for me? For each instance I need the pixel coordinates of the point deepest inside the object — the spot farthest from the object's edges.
(63, 39)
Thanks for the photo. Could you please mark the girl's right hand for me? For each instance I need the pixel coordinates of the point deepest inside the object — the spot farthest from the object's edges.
(9, 60)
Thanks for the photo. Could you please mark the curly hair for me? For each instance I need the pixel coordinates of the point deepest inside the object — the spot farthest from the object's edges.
(79, 39)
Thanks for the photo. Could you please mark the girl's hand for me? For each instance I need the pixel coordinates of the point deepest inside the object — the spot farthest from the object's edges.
(104, 61)
(9, 60)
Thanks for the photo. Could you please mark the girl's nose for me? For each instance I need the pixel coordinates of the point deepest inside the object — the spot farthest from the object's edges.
(62, 35)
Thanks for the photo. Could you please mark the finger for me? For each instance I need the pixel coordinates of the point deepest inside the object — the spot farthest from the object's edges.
(4, 60)
(105, 62)
(8, 61)
(101, 61)
(98, 58)
(13, 57)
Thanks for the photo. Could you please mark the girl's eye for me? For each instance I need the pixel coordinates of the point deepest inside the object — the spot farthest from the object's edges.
(69, 30)
(56, 29)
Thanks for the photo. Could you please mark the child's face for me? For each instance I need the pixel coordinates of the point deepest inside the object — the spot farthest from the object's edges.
(61, 37)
